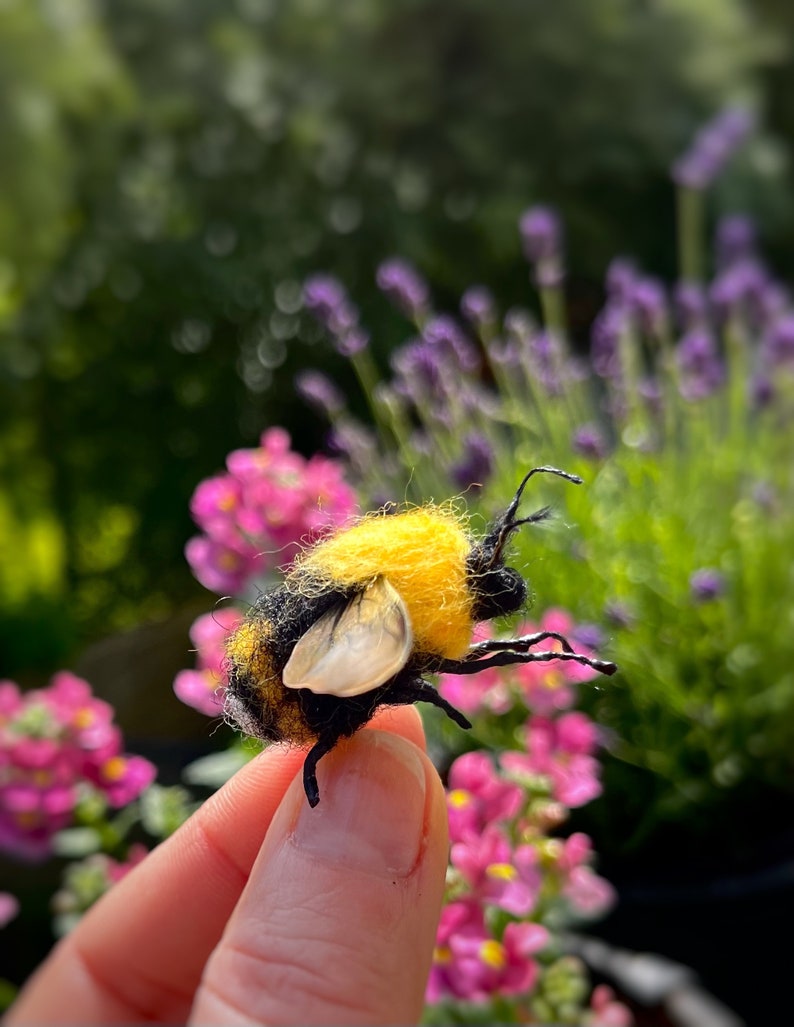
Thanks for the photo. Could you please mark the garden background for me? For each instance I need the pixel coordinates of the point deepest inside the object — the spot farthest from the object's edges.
(171, 177)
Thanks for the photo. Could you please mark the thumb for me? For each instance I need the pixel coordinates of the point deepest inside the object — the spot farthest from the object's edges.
(338, 920)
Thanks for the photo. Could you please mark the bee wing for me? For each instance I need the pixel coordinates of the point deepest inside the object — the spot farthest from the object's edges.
(353, 649)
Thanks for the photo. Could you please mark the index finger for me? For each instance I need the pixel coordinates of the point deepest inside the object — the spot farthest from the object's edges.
(139, 954)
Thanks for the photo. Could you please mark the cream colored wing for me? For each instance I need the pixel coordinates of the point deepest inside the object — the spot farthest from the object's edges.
(354, 649)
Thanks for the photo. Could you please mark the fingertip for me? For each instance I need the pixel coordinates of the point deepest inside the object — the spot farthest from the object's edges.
(405, 721)
(346, 895)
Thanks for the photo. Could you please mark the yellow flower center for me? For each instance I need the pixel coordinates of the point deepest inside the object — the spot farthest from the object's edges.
(113, 769)
(84, 718)
(552, 680)
(27, 819)
(228, 561)
(459, 798)
(502, 871)
(492, 954)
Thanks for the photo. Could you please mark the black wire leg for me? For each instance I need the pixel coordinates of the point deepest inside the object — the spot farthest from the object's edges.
(323, 745)
(505, 659)
(421, 691)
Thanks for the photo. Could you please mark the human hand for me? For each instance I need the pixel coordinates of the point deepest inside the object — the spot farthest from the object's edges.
(261, 910)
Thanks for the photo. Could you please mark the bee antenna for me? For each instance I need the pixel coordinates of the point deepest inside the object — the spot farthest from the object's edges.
(508, 523)
(511, 510)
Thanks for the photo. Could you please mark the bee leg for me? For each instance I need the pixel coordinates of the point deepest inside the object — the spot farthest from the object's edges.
(420, 691)
(323, 745)
(506, 659)
(493, 645)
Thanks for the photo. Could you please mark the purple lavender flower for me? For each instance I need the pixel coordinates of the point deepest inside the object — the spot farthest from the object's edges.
(588, 440)
(691, 305)
(354, 442)
(401, 282)
(706, 584)
(444, 336)
(477, 305)
(541, 236)
(762, 391)
(477, 464)
(352, 342)
(605, 335)
(545, 361)
(700, 366)
(618, 614)
(746, 289)
(419, 368)
(735, 239)
(318, 389)
(620, 279)
(591, 636)
(325, 297)
(504, 352)
(648, 303)
(712, 148)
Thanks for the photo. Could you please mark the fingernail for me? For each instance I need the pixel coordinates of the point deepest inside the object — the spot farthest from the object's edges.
(372, 806)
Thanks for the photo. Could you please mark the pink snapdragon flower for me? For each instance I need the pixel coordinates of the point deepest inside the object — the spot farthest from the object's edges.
(550, 687)
(606, 1011)
(53, 741)
(469, 963)
(202, 688)
(257, 515)
(589, 894)
(560, 751)
(477, 796)
(497, 874)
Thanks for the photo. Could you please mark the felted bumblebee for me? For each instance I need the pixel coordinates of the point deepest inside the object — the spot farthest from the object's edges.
(361, 618)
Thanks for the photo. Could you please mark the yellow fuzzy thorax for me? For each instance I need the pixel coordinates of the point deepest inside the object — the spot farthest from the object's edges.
(422, 553)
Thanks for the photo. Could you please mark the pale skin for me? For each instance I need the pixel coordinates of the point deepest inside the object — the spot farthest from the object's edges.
(260, 910)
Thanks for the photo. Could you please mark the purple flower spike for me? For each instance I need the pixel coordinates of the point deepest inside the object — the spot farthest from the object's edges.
(620, 279)
(400, 281)
(762, 391)
(540, 233)
(712, 148)
(476, 466)
(618, 614)
(589, 442)
(735, 239)
(477, 305)
(325, 297)
(701, 368)
(444, 336)
(707, 584)
(318, 390)
(545, 361)
(649, 304)
(419, 370)
(541, 236)
(691, 305)
(605, 341)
